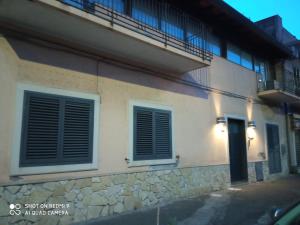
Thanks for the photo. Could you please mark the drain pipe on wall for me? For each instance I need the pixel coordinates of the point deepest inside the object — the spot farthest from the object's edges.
(286, 113)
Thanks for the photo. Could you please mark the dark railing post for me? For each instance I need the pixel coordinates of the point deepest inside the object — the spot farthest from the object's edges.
(159, 14)
(88, 6)
(112, 13)
(185, 33)
(128, 7)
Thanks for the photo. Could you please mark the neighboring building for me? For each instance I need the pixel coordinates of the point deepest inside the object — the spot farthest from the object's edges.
(285, 85)
(114, 105)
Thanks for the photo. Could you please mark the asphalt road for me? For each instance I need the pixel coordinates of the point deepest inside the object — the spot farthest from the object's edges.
(249, 204)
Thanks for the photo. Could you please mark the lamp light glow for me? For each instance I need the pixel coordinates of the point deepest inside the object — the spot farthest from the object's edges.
(251, 130)
(221, 124)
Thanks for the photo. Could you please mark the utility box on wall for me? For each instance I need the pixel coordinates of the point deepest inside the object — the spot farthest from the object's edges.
(259, 171)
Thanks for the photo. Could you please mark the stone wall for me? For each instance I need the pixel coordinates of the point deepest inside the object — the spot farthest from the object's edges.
(93, 197)
(89, 198)
(266, 175)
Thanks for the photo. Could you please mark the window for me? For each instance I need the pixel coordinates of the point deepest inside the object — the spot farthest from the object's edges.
(257, 66)
(117, 5)
(247, 60)
(145, 12)
(215, 45)
(87, 5)
(172, 29)
(55, 131)
(233, 54)
(77, 4)
(152, 134)
(195, 35)
(261, 67)
(236, 55)
(172, 23)
(195, 40)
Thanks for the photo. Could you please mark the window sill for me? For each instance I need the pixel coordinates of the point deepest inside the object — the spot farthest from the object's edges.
(151, 162)
(52, 169)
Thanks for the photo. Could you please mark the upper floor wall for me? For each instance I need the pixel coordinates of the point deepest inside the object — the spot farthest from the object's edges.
(153, 36)
(223, 74)
(232, 78)
(182, 26)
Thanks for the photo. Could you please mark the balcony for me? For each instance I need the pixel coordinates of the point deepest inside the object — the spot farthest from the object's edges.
(151, 34)
(276, 92)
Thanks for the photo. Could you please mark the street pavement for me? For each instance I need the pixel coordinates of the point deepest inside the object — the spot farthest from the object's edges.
(244, 204)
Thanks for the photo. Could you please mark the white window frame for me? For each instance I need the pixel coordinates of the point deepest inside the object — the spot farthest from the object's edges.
(133, 163)
(15, 169)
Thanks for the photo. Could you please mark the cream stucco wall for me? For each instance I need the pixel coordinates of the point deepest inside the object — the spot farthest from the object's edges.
(195, 137)
(231, 77)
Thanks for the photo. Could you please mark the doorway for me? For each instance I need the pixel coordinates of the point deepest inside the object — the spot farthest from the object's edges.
(273, 148)
(237, 150)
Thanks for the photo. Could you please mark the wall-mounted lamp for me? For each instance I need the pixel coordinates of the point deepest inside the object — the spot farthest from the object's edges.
(221, 123)
(252, 124)
(251, 131)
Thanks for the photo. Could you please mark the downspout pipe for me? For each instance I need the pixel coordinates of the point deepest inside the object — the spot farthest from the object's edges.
(287, 131)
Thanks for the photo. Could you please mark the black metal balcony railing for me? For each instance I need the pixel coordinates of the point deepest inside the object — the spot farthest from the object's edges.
(154, 19)
(287, 84)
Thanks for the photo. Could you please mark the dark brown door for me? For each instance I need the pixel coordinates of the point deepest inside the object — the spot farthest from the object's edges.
(237, 150)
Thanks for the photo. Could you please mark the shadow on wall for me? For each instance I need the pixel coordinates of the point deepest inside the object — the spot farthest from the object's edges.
(55, 55)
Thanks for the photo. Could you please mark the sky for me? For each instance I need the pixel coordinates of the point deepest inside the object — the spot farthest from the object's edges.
(288, 10)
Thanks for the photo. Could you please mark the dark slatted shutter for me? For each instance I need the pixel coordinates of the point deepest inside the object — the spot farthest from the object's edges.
(152, 134)
(40, 129)
(297, 146)
(270, 149)
(143, 134)
(56, 130)
(78, 130)
(273, 148)
(163, 135)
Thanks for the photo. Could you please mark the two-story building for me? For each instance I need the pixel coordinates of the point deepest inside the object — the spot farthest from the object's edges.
(115, 105)
(284, 86)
